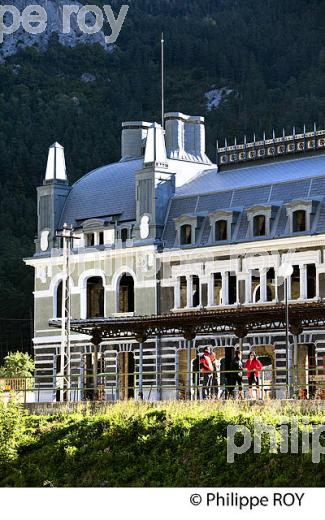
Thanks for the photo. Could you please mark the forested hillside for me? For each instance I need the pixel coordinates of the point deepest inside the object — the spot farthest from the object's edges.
(269, 53)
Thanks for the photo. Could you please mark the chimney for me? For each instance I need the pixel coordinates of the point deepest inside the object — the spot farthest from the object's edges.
(185, 137)
(195, 139)
(175, 134)
(134, 134)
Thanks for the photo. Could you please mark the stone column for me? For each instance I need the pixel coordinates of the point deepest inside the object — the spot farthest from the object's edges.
(303, 282)
(248, 288)
(225, 288)
(263, 285)
(177, 293)
(317, 284)
(189, 280)
(211, 301)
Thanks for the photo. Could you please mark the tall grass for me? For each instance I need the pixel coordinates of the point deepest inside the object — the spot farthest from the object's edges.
(156, 444)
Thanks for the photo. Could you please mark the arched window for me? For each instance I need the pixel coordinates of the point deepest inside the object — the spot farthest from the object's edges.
(59, 300)
(186, 235)
(95, 298)
(126, 294)
(221, 231)
(299, 221)
(259, 228)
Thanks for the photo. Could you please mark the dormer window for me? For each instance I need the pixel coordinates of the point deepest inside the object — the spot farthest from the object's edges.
(300, 215)
(222, 224)
(221, 231)
(187, 228)
(259, 226)
(186, 235)
(260, 218)
(299, 221)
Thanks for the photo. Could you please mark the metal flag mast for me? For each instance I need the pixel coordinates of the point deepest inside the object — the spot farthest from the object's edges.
(162, 81)
(67, 237)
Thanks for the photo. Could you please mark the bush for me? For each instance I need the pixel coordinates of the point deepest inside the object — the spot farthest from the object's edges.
(11, 429)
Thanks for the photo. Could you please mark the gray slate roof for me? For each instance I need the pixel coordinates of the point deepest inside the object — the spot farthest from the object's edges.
(107, 191)
(110, 190)
(270, 183)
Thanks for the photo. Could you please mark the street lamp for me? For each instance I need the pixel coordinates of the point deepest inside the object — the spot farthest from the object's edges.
(286, 271)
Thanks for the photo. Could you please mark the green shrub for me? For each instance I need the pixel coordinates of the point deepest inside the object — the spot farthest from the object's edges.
(11, 429)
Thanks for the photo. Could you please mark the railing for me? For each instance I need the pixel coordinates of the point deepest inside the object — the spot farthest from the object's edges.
(304, 384)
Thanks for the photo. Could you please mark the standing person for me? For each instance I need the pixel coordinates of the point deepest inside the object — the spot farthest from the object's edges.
(206, 366)
(253, 367)
(196, 376)
(236, 375)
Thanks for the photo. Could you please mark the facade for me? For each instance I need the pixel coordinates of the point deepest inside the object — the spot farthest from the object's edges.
(164, 230)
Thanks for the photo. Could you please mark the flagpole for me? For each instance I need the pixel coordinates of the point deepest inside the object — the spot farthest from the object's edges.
(162, 82)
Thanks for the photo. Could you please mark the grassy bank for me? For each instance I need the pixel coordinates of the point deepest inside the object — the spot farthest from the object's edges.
(134, 444)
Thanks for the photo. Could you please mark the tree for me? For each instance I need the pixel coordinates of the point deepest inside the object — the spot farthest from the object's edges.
(17, 364)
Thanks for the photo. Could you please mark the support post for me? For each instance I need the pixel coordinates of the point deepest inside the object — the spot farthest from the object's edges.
(295, 363)
(141, 338)
(141, 371)
(95, 372)
(287, 333)
(96, 341)
(189, 336)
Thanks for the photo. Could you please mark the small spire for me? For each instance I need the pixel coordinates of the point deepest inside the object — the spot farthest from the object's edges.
(56, 168)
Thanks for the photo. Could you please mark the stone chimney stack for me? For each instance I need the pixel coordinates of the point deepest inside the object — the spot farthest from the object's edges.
(175, 135)
(185, 137)
(134, 134)
(195, 138)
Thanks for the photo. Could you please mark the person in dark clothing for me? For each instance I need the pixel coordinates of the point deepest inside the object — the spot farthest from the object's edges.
(236, 375)
(196, 376)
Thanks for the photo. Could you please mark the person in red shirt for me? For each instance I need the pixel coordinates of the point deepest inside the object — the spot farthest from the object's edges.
(253, 367)
(207, 366)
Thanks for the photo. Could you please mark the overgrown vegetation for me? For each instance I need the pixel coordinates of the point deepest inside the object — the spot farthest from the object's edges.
(134, 444)
(270, 53)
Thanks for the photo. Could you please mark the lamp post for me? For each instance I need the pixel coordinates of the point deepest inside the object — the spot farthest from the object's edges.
(286, 271)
